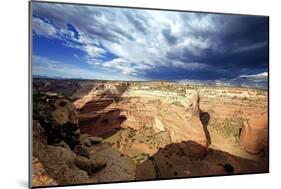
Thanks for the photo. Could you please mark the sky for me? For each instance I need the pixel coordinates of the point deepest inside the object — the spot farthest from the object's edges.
(91, 42)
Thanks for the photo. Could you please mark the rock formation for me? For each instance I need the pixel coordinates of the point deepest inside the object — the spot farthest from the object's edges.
(200, 136)
(57, 116)
(67, 156)
(254, 135)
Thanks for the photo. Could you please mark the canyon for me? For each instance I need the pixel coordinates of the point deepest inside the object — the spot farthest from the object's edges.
(147, 130)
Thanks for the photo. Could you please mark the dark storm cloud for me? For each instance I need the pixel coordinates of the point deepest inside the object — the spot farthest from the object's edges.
(238, 44)
(160, 44)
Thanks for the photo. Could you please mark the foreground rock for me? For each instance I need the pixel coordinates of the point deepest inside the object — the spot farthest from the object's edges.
(67, 156)
(39, 175)
(57, 116)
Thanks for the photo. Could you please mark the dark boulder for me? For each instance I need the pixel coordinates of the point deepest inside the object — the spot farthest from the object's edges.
(58, 117)
(83, 163)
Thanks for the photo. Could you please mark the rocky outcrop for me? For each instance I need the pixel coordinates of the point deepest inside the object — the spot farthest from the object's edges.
(196, 123)
(67, 156)
(39, 175)
(254, 135)
(190, 128)
(57, 116)
(91, 166)
(56, 160)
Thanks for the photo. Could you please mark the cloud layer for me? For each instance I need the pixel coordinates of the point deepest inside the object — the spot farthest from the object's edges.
(161, 45)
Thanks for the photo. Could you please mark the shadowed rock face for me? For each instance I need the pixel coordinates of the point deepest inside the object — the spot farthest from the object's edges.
(96, 112)
(57, 116)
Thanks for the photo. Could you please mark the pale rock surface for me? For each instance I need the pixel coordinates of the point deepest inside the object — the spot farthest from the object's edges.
(254, 136)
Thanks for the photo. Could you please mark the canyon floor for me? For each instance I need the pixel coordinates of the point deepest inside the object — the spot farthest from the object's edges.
(150, 130)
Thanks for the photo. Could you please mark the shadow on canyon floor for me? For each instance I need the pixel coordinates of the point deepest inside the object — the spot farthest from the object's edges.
(190, 159)
(95, 120)
(205, 118)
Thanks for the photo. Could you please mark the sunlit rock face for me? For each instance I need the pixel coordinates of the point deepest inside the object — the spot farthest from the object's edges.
(254, 136)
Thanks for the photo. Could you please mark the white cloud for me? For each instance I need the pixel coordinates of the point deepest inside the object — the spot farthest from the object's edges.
(250, 47)
(259, 80)
(255, 80)
(43, 28)
(135, 37)
(46, 67)
(261, 77)
(190, 65)
(93, 51)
